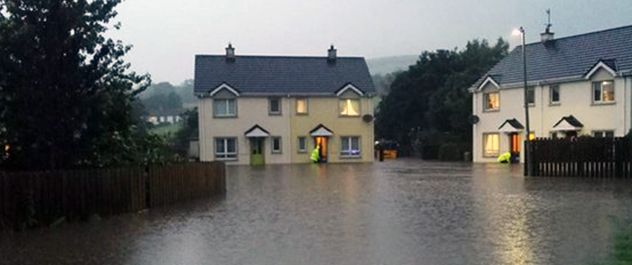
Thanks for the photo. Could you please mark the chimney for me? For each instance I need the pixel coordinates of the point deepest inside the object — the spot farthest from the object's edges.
(331, 54)
(230, 53)
(547, 35)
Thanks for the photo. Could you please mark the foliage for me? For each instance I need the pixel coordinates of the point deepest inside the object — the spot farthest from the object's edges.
(66, 93)
(186, 133)
(432, 95)
(158, 104)
(383, 82)
(184, 91)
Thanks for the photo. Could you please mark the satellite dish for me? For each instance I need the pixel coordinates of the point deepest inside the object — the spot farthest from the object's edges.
(474, 119)
(367, 118)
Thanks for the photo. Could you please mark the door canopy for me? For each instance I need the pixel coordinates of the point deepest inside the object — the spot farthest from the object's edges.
(256, 132)
(567, 123)
(321, 130)
(511, 126)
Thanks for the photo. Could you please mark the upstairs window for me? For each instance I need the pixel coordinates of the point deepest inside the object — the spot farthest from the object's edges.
(224, 108)
(603, 92)
(274, 106)
(301, 106)
(554, 94)
(349, 107)
(491, 101)
(531, 96)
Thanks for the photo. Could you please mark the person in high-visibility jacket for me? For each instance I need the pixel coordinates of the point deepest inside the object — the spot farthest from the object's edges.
(504, 158)
(316, 154)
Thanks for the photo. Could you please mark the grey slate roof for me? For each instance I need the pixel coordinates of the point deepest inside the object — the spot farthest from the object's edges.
(566, 57)
(281, 74)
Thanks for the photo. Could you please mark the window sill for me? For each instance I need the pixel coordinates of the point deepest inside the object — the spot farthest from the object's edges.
(275, 114)
(349, 116)
(225, 117)
(302, 151)
(603, 103)
(554, 104)
(350, 156)
(277, 153)
(302, 114)
(226, 159)
(491, 156)
(491, 110)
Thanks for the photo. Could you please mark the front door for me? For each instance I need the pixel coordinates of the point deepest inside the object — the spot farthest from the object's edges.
(514, 147)
(322, 142)
(257, 157)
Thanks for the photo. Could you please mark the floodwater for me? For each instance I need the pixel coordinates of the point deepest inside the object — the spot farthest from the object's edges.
(396, 212)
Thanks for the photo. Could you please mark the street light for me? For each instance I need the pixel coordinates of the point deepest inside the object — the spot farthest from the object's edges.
(527, 153)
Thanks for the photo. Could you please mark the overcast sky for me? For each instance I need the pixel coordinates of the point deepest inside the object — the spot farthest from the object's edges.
(167, 34)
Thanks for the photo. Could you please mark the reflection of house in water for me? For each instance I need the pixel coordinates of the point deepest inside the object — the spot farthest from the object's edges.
(276, 109)
(578, 85)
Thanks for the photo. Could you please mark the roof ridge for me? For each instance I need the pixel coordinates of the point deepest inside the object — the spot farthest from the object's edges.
(280, 56)
(581, 35)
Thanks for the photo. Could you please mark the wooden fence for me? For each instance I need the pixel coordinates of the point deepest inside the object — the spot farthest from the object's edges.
(582, 157)
(39, 198)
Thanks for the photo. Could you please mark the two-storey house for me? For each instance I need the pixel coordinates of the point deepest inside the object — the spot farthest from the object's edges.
(276, 109)
(577, 85)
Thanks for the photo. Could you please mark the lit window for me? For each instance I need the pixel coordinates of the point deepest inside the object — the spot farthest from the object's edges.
(349, 107)
(554, 95)
(224, 108)
(492, 101)
(276, 145)
(531, 96)
(603, 134)
(603, 91)
(350, 146)
(491, 143)
(301, 106)
(275, 106)
(302, 144)
(226, 148)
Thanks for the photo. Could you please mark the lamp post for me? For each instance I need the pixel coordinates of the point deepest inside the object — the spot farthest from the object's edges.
(527, 153)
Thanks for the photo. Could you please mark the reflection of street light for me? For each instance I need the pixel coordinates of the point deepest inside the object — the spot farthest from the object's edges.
(527, 153)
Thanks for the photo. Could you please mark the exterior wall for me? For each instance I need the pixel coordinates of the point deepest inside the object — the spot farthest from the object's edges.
(325, 110)
(289, 126)
(250, 111)
(575, 99)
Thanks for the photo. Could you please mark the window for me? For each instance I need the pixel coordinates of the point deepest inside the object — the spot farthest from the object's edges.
(492, 101)
(274, 106)
(302, 144)
(349, 107)
(554, 94)
(554, 135)
(276, 145)
(491, 144)
(224, 108)
(602, 134)
(226, 148)
(350, 146)
(531, 96)
(301, 106)
(603, 91)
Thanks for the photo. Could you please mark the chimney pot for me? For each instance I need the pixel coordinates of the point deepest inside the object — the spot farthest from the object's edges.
(230, 53)
(331, 54)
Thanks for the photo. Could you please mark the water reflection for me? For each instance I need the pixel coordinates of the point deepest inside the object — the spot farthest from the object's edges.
(397, 212)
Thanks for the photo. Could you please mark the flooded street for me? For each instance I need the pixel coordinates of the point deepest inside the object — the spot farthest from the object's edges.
(396, 212)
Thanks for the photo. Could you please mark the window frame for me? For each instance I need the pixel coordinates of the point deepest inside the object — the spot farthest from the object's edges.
(559, 95)
(603, 133)
(348, 153)
(485, 100)
(531, 92)
(279, 112)
(272, 149)
(306, 106)
(298, 144)
(600, 85)
(225, 155)
(227, 100)
(340, 107)
(489, 154)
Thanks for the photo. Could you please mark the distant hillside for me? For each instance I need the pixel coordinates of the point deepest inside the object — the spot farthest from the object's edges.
(387, 65)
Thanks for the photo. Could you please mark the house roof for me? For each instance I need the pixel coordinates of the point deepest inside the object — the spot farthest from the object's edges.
(567, 57)
(281, 74)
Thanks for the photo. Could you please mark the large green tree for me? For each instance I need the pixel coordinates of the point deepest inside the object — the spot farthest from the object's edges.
(431, 97)
(66, 93)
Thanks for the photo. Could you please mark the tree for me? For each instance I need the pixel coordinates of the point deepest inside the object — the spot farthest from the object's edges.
(66, 93)
(429, 102)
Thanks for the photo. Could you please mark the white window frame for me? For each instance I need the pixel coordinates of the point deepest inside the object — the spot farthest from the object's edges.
(298, 144)
(225, 155)
(497, 151)
(530, 90)
(228, 114)
(485, 97)
(603, 133)
(279, 111)
(272, 149)
(600, 86)
(559, 95)
(346, 147)
(306, 106)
